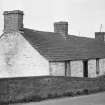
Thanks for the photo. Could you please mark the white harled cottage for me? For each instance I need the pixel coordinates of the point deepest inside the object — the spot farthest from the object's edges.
(27, 52)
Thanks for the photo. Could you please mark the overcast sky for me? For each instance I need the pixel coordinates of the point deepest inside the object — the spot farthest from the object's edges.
(84, 16)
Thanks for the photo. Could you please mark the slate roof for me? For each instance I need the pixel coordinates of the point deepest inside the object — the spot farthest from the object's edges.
(54, 47)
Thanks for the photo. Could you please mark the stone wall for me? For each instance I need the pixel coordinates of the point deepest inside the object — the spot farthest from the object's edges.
(57, 68)
(32, 88)
(92, 68)
(76, 68)
(19, 58)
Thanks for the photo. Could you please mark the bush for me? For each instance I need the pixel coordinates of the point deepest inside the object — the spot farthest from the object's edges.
(79, 93)
(53, 95)
(68, 94)
(85, 91)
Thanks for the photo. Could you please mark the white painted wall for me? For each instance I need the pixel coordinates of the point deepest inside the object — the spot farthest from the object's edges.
(76, 68)
(92, 68)
(57, 68)
(19, 58)
(101, 66)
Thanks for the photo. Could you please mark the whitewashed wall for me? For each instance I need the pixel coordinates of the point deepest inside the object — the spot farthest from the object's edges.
(101, 66)
(92, 68)
(76, 68)
(19, 58)
(57, 68)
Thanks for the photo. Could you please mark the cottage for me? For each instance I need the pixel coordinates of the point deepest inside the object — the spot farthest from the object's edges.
(27, 52)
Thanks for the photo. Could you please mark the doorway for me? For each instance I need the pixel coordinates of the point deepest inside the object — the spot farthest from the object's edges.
(85, 68)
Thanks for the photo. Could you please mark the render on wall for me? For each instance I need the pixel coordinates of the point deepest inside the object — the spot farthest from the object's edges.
(19, 58)
(57, 68)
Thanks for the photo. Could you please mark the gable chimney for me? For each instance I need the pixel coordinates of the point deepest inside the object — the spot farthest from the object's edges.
(61, 27)
(13, 20)
(100, 36)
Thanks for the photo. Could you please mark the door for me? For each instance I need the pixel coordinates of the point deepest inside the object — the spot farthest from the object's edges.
(85, 68)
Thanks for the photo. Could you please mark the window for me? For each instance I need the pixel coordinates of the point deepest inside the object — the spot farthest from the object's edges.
(97, 66)
(85, 68)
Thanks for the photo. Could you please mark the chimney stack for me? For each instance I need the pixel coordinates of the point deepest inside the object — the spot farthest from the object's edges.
(13, 20)
(61, 27)
(100, 36)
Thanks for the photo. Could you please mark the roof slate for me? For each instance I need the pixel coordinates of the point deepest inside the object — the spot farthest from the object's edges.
(55, 47)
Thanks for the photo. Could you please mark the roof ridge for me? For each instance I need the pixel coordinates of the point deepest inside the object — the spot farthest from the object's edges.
(59, 33)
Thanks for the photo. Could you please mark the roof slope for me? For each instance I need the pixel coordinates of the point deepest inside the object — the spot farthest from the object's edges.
(55, 48)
